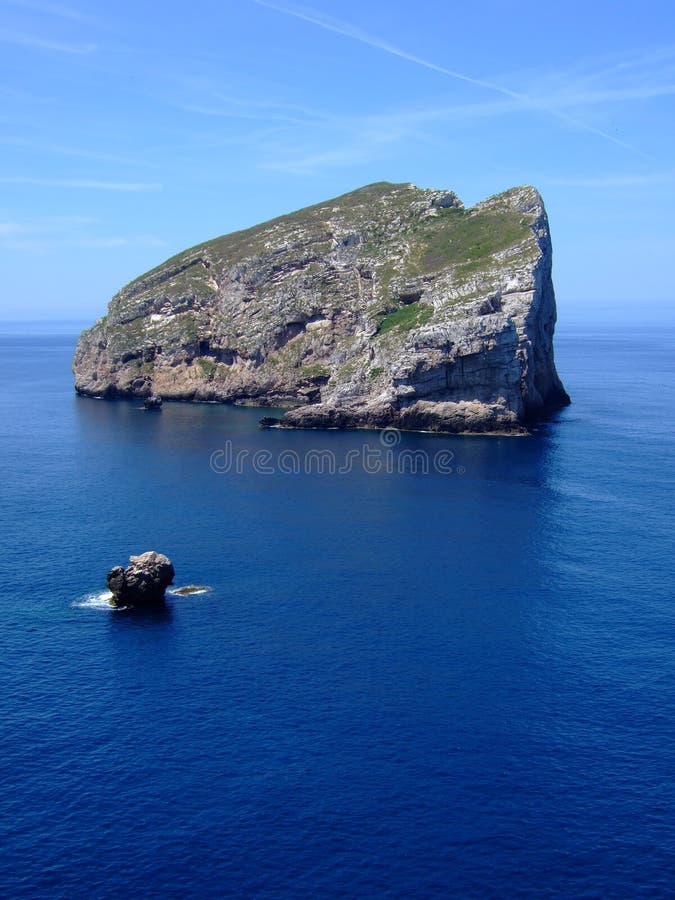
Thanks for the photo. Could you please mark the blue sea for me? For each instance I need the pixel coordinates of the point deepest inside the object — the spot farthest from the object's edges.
(424, 666)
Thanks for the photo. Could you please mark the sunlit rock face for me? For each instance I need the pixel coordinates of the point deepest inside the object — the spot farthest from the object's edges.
(143, 582)
(389, 306)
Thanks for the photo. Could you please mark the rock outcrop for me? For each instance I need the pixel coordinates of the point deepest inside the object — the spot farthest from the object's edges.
(389, 306)
(144, 580)
(153, 402)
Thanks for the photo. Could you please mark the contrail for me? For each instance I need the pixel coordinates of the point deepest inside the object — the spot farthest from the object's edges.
(362, 37)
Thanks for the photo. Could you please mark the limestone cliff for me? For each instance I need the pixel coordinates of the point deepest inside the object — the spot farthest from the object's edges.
(388, 306)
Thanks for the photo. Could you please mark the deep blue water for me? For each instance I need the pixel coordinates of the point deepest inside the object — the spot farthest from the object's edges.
(399, 685)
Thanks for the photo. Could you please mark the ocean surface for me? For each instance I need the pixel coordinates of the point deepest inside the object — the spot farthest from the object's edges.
(424, 666)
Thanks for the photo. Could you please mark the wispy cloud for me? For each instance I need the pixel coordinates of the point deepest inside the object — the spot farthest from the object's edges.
(44, 245)
(75, 152)
(592, 97)
(347, 30)
(347, 141)
(202, 97)
(57, 10)
(46, 233)
(611, 182)
(342, 141)
(225, 113)
(349, 154)
(112, 243)
(53, 225)
(10, 229)
(101, 243)
(653, 59)
(81, 183)
(35, 42)
(640, 77)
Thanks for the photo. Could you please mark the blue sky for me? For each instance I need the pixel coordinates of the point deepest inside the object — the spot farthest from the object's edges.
(129, 133)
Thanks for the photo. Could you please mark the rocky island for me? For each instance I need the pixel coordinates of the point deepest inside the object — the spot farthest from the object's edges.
(391, 306)
(143, 582)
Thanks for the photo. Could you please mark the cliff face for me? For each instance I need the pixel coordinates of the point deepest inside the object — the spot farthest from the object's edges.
(389, 306)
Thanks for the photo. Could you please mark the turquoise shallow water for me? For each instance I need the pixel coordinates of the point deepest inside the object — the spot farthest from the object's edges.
(457, 681)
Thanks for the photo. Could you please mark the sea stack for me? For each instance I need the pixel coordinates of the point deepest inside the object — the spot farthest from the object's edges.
(391, 306)
(143, 582)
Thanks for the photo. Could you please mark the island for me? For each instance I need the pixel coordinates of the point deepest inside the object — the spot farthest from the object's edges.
(390, 306)
(143, 582)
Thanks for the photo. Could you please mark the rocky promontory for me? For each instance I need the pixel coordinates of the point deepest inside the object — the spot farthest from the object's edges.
(388, 306)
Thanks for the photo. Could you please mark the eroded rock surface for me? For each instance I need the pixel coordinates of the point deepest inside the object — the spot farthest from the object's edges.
(389, 306)
(143, 582)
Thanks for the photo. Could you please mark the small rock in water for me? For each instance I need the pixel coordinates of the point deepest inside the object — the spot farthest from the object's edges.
(154, 401)
(190, 589)
(144, 580)
(269, 422)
